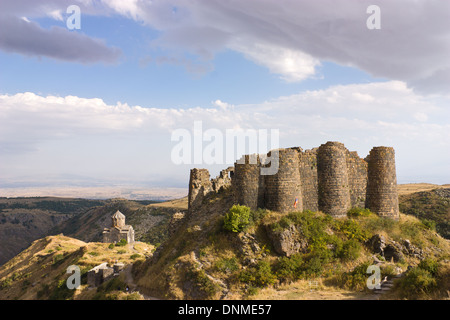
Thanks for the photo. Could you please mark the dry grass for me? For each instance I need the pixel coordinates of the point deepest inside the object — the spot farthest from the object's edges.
(45, 262)
(418, 187)
(181, 204)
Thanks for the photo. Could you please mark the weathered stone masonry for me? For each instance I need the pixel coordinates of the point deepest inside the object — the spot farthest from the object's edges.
(329, 178)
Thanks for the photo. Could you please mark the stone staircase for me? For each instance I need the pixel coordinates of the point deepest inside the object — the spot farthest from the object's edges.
(386, 285)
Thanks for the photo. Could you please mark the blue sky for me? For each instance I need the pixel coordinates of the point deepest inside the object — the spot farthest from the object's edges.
(98, 105)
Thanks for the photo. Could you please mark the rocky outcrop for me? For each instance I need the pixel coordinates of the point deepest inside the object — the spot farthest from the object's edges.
(287, 241)
(392, 250)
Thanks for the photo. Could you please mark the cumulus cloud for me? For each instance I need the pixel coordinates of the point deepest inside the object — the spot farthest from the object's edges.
(74, 135)
(290, 37)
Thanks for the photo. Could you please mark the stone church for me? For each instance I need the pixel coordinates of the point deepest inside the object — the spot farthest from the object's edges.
(119, 230)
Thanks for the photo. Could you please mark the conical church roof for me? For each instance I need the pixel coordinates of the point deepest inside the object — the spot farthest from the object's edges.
(118, 215)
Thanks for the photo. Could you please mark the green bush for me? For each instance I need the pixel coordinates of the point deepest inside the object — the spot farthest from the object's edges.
(350, 250)
(359, 212)
(430, 265)
(259, 276)
(289, 268)
(429, 224)
(417, 282)
(355, 279)
(111, 246)
(352, 230)
(135, 256)
(121, 243)
(315, 262)
(257, 215)
(237, 218)
(227, 265)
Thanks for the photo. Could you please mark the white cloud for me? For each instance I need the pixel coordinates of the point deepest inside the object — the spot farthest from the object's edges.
(289, 37)
(78, 136)
(292, 65)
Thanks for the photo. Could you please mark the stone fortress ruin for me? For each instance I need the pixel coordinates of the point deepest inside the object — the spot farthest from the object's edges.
(329, 178)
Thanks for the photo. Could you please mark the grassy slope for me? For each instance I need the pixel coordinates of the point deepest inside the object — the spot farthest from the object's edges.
(202, 261)
(39, 272)
(23, 220)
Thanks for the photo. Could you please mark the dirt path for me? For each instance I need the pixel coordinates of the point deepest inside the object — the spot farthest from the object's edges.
(132, 285)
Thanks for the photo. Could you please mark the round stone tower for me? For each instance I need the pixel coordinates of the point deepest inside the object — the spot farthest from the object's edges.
(334, 193)
(247, 182)
(382, 195)
(283, 190)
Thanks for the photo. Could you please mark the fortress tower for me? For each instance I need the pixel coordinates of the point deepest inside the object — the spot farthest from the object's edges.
(333, 185)
(248, 184)
(382, 195)
(283, 191)
(329, 178)
(199, 186)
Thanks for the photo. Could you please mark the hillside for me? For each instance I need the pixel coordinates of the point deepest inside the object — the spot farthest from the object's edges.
(278, 256)
(39, 272)
(149, 220)
(23, 220)
(432, 207)
(265, 255)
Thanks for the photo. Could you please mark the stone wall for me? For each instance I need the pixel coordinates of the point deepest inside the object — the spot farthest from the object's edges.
(329, 178)
(357, 179)
(333, 185)
(308, 177)
(382, 195)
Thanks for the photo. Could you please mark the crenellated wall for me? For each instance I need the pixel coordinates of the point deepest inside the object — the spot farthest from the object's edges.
(329, 178)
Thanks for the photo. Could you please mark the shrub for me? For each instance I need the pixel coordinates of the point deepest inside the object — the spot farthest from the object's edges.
(350, 250)
(227, 265)
(237, 218)
(264, 275)
(121, 243)
(355, 279)
(429, 224)
(111, 246)
(359, 212)
(257, 215)
(417, 282)
(135, 256)
(314, 263)
(259, 276)
(352, 230)
(430, 265)
(289, 268)
(57, 259)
